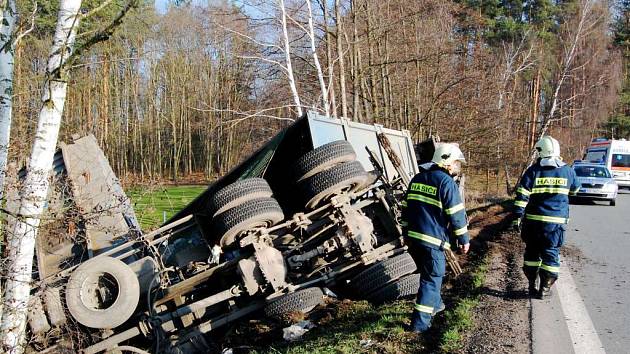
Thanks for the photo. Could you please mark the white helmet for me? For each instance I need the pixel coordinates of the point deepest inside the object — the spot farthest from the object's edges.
(446, 154)
(548, 147)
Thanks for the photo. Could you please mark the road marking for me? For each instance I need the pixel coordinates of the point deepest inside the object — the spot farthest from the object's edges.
(583, 334)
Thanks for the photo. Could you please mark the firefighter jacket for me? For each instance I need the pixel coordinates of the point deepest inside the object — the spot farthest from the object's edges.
(543, 194)
(433, 212)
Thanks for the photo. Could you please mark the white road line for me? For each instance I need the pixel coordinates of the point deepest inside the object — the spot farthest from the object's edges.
(583, 334)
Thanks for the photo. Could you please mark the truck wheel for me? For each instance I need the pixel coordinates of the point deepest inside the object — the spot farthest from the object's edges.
(54, 307)
(399, 289)
(382, 273)
(128, 349)
(261, 212)
(320, 187)
(613, 202)
(238, 193)
(102, 293)
(303, 300)
(323, 158)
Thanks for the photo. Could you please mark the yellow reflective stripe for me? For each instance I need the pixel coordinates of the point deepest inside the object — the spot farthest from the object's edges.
(423, 308)
(404, 203)
(523, 191)
(552, 219)
(428, 239)
(424, 199)
(574, 192)
(550, 190)
(549, 268)
(461, 231)
(532, 263)
(455, 209)
(520, 203)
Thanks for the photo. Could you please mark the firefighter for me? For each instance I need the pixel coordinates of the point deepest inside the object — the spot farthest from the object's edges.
(541, 211)
(434, 218)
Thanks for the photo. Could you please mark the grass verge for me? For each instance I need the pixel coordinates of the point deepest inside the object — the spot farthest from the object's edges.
(352, 327)
(459, 319)
(154, 204)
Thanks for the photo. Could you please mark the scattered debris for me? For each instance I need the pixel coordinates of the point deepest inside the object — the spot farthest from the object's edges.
(295, 332)
(216, 254)
(366, 343)
(329, 293)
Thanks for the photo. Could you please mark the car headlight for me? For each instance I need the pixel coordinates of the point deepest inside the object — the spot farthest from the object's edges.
(610, 187)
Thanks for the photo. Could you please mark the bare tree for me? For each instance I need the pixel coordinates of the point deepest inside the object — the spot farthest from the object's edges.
(320, 74)
(586, 20)
(287, 57)
(7, 27)
(21, 243)
(342, 69)
(9, 37)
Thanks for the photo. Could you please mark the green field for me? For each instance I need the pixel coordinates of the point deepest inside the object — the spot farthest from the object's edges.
(153, 204)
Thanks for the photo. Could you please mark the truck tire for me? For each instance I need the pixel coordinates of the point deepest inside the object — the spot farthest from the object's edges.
(320, 187)
(261, 212)
(303, 300)
(119, 283)
(613, 202)
(323, 158)
(54, 307)
(404, 287)
(238, 193)
(382, 273)
(128, 349)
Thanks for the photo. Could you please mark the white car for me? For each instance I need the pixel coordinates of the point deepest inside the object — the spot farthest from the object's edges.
(597, 183)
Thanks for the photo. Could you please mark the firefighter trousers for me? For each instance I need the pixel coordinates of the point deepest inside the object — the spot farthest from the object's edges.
(542, 249)
(431, 263)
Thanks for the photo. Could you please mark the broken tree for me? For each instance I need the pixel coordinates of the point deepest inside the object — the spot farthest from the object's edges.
(21, 239)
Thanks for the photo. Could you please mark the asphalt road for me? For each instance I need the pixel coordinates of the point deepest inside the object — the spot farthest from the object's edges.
(590, 307)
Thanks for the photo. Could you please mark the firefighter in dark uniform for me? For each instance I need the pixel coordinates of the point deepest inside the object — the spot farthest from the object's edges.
(542, 203)
(434, 218)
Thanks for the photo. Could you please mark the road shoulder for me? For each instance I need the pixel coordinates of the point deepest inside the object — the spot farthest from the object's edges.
(502, 318)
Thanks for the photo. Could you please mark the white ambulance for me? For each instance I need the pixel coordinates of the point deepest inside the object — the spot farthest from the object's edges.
(615, 154)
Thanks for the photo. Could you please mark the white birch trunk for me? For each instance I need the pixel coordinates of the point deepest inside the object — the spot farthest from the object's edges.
(287, 56)
(21, 243)
(342, 69)
(320, 74)
(7, 50)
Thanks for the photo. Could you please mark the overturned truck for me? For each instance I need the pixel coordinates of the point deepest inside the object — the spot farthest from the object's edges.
(318, 206)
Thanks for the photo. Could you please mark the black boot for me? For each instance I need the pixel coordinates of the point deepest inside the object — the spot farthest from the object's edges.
(532, 274)
(546, 281)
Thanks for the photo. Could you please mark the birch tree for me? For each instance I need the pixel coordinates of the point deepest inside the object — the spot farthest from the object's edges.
(320, 74)
(287, 55)
(9, 38)
(342, 70)
(21, 243)
(7, 27)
